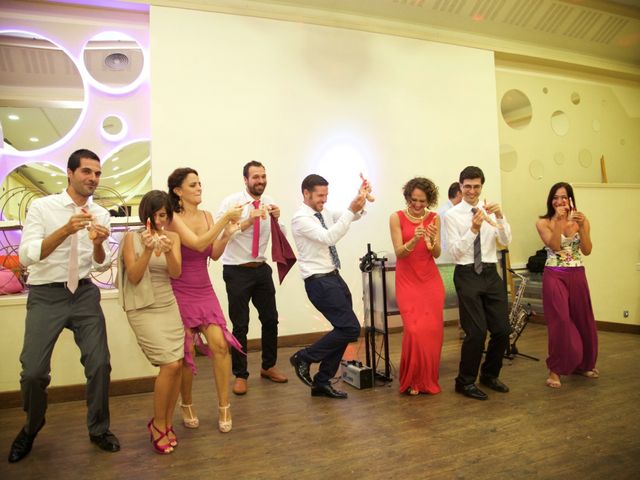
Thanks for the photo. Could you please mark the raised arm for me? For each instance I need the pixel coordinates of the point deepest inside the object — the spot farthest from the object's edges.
(201, 242)
(584, 229)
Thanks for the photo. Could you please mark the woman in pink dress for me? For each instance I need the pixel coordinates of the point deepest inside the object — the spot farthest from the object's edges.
(199, 307)
(415, 233)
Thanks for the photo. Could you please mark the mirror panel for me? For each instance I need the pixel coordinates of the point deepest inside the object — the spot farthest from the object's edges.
(516, 109)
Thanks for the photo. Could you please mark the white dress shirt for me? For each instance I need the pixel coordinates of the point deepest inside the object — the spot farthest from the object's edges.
(460, 238)
(47, 214)
(238, 249)
(313, 240)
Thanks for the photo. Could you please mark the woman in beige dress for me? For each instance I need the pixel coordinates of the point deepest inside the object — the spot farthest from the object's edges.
(149, 257)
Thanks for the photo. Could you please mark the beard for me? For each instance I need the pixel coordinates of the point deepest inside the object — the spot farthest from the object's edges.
(257, 190)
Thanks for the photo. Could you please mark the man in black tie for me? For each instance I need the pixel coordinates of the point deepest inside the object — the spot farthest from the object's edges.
(316, 232)
(472, 231)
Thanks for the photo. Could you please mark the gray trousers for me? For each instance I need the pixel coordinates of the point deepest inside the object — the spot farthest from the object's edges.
(49, 311)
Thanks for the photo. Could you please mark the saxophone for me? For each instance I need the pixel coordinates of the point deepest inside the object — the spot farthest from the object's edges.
(519, 315)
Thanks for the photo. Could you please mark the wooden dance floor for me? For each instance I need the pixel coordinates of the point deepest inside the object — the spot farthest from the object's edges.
(589, 429)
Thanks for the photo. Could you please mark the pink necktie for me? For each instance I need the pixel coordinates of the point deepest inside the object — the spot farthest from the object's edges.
(255, 245)
(72, 279)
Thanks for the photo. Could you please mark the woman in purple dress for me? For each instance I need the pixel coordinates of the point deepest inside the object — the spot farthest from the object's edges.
(573, 339)
(199, 307)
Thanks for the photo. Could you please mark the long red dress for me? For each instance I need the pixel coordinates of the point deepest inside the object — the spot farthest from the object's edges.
(420, 296)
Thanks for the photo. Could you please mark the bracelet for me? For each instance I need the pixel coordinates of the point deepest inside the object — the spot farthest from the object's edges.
(404, 245)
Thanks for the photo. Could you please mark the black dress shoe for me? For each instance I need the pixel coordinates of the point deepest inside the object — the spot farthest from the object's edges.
(302, 369)
(106, 441)
(471, 391)
(494, 384)
(21, 446)
(327, 391)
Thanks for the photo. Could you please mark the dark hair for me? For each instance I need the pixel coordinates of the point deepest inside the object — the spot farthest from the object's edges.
(153, 201)
(312, 181)
(175, 180)
(74, 159)
(454, 189)
(427, 186)
(469, 173)
(252, 163)
(550, 210)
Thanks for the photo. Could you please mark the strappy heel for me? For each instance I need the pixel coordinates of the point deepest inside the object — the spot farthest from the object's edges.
(162, 449)
(191, 421)
(173, 442)
(224, 425)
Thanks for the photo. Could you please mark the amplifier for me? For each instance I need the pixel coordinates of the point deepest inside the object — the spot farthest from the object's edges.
(356, 374)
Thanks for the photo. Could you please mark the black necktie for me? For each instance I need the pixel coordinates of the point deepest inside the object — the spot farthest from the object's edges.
(477, 251)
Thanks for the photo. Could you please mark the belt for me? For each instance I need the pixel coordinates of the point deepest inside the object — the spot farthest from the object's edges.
(82, 281)
(470, 265)
(251, 264)
(320, 275)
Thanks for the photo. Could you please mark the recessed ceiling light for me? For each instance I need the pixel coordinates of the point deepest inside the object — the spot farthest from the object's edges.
(118, 182)
(115, 159)
(34, 139)
(54, 174)
(116, 176)
(116, 168)
(13, 116)
(59, 183)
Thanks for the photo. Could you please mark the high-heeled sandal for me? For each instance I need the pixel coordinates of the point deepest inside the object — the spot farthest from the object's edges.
(191, 421)
(155, 443)
(173, 442)
(224, 425)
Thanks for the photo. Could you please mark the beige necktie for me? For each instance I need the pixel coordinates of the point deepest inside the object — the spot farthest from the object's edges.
(72, 279)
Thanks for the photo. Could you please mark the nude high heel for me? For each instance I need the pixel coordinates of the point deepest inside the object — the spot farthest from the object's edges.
(224, 425)
(191, 421)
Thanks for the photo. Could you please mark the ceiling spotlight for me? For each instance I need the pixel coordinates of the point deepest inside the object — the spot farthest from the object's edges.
(54, 174)
(34, 139)
(116, 168)
(59, 183)
(115, 159)
(13, 116)
(118, 182)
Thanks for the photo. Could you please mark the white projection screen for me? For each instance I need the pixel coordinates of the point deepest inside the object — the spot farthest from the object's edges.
(302, 99)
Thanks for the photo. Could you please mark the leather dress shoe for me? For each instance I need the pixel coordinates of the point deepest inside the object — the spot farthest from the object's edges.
(327, 391)
(302, 369)
(494, 384)
(471, 391)
(240, 386)
(22, 444)
(106, 441)
(274, 375)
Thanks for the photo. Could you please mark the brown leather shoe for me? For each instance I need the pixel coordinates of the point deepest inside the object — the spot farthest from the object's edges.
(274, 375)
(240, 386)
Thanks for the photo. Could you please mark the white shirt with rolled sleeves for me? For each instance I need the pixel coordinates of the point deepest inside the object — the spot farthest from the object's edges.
(238, 249)
(47, 214)
(460, 238)
(313, 240)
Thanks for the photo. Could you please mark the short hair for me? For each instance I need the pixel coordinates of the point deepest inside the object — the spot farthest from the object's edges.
(550, 210)
(312, 181)
(153, 201)
(454, 189)
(252, 163)
(469, 173)
(74, 159)
(421, 183)
(175, 180)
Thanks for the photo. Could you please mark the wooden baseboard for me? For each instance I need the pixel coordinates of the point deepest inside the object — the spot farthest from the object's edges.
(617, 327)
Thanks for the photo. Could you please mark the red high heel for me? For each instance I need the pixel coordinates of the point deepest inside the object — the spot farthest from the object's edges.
(154, 442)
(173, 442)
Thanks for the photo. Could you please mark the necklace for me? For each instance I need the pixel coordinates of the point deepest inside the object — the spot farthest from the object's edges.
(415, 219)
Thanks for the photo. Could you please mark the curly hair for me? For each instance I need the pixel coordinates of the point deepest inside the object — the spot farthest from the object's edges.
(427, 186)
(175, 180)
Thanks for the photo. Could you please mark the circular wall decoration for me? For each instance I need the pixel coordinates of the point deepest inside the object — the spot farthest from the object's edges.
(508, 158)
(516, 109)
(595, 124)
(575, 98)
(584, 158)
(114, 61)
(545, 90)
(44, 117)
(560, 122)
(536, 169)
(559, 158)
(114, 128)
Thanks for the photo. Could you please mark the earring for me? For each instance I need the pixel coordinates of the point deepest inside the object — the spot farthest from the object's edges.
(180, 202)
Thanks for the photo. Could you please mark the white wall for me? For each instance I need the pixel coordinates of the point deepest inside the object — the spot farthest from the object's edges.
(229, 89)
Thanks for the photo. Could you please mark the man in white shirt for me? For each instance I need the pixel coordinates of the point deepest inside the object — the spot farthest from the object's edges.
(472, 231)
(63, 238)
(316, 232)
(248, 277)
(455, 197)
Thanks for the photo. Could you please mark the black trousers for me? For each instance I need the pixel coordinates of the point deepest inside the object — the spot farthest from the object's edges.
(255, 284)
(483, 306)
(331, 296)
(49, 311)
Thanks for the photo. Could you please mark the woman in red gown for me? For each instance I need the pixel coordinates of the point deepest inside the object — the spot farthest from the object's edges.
(415, 233)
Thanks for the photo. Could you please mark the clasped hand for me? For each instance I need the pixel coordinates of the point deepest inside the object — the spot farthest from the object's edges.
(79, 221)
